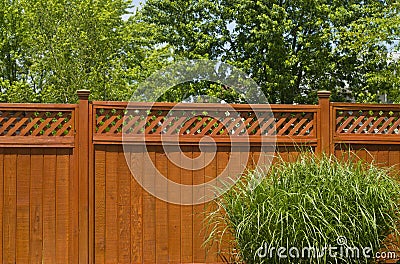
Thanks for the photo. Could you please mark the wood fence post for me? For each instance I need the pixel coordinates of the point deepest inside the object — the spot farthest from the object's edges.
(324, 123)
(83, 173)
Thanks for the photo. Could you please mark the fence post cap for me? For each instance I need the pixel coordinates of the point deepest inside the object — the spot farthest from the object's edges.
(324, 94)
(83, 94)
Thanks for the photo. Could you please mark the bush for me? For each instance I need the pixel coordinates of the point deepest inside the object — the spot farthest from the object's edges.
(307, 205)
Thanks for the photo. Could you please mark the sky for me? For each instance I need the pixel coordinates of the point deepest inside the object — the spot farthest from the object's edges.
(137, 2)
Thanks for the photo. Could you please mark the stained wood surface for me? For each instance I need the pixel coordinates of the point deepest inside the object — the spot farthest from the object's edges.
(159, 232)
(36, 208)
(60, 207)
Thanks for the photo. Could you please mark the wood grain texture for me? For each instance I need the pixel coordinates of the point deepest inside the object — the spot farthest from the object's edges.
(49, 206)
(91, 189)
(199, 253)
(23, 205)
(36, 206)
(394, 158)
(210, 173)
(82, 137)
(187, 213)
(149, 209)
(124, 209)
(111, 236)
(62, 205)
(174, 219)
(100, 203)
(10, 206)
(1, 202)
(74, 205)
(224, 247)
(162, 213)
(36, 229)
(137, 193)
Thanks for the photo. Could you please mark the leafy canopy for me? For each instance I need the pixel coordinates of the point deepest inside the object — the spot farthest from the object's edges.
(49, 49)
(290, 48)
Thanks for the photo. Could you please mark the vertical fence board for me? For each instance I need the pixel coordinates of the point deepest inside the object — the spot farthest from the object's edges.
(293, 154)
(361, 153)
(100, 203)
(324, 124)
(49, 206)
(9, 218)
(255, 158)
(339, 152)
(174, 210)
(187, 214)
(36, 202)
(91, 187)
(370, 155)
(136, 159)
(283, 153)
(233, 165)
(199, 253)
(124, 210)
(210, 173)
(62, 205)
(46, 203)
(394, 158)
(246, 159)
(161, 208)
(383, 156)
(23, 187)
(111, 250)
(251, 159)
(1, 202)
(82, 138)
(74, 206)
(149, 214)
(223, 156)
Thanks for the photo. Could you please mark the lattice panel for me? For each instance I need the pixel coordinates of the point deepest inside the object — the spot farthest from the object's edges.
(367, 122)
(202, 122)
(36, 123)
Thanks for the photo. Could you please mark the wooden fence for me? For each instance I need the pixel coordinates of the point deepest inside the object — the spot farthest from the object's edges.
(68, 195)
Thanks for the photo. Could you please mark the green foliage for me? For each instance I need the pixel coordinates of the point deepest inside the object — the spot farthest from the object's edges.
(310, 203)
(50, 49)
(290, 48)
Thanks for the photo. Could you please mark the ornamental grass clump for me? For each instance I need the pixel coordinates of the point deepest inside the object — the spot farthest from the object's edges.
(313, 210)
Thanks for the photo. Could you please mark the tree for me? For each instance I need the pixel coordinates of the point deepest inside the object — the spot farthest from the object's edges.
(290, 48)
(13, 54)
(49, 49)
